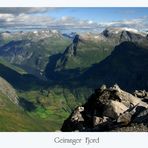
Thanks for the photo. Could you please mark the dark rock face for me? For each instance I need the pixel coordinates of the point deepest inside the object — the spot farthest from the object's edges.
(109, 109)
(127, 66)
(70, 51)
(15, 51)
(129, 36)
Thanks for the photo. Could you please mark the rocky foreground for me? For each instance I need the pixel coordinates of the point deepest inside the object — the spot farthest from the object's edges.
(110, 109)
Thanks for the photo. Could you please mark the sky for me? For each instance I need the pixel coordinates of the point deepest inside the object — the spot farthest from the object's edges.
(72, 19)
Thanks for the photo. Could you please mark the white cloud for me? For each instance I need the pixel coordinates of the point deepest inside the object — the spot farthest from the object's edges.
(26, 20)
(26, 10)
(138, 23)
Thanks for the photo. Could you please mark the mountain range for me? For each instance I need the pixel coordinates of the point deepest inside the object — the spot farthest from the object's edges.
(45, 74)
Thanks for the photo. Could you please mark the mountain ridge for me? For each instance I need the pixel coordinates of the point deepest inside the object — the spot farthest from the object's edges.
(126, 60)
(54, 74)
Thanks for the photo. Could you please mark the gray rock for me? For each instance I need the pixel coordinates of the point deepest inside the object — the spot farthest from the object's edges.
(114, 109)
(125, 118)
(99, 120)
(77, 116)
(140, 93)
(103, 87)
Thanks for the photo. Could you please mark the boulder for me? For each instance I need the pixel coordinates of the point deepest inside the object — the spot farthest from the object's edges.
(76, 115)
(114, 109)
(128, 99)
(125, 118)
(140, 93)
(99, 120)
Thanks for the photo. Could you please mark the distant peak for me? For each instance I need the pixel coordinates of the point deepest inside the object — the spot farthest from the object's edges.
(117, 30)
(76, 39)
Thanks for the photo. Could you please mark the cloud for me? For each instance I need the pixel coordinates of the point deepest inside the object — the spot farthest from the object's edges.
(29, 18)
(138, 23)
(23, 21)
(34, 18)
(13, 18)
(25, 10)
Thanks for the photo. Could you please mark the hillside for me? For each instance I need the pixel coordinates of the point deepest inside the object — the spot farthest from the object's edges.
(13, 117)
(31, 50)
(127, 66)
(20, 81)
(20, 112)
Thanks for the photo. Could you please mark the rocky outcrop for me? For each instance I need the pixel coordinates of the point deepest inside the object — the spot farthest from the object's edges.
(110, 109)
(141, 94)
